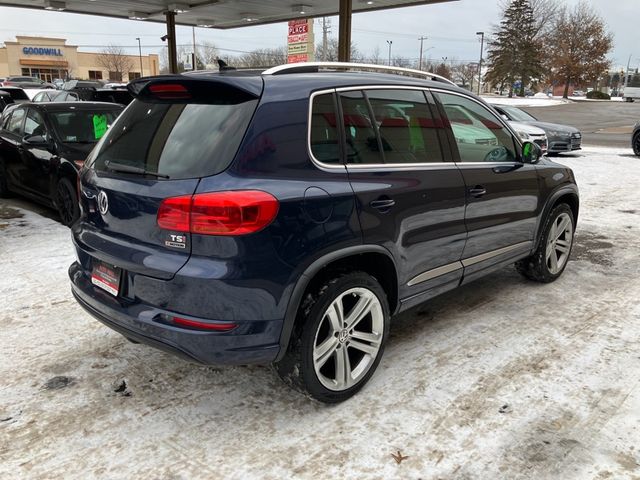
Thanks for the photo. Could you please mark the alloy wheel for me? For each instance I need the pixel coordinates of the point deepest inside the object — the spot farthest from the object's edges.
(559, 243)
(64, 200)
(348, 339)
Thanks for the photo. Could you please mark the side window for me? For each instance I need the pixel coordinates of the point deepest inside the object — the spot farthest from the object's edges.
(479, 134)
(34, 124)
(324, 130)
(362, 142)
(15, 123)
(5, 121)
(406, 126)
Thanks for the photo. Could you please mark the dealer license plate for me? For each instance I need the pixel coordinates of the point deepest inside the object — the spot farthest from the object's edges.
(106, 277)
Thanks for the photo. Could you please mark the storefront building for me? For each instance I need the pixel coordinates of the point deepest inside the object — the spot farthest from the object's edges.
(51, 58)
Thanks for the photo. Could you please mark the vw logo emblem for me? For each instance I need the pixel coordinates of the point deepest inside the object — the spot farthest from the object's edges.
(103, 202)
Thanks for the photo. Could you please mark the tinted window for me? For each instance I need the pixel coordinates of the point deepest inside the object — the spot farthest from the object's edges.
(17, 93)
(15, 123)
(82, 126)
(178, 140)
(34, 124)
(479, 134)
(362, 143)
(406, 127)
(324, 130)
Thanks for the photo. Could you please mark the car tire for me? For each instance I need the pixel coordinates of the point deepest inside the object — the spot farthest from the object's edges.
(554, 248)
(66, 201)
(328, 358)
(636, 144)
(4, 181)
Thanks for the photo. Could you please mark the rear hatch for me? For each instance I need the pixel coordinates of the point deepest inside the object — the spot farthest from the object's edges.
(176, 131)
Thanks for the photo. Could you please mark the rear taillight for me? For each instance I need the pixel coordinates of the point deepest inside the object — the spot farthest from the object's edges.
(219, 213)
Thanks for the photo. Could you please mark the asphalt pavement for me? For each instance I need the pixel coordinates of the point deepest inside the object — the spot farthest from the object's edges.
(607, 124)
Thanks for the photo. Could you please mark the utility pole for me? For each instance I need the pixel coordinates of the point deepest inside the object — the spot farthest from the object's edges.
(195, 55)
(326, 29)
(140, 55)
(422, 39)
(389, 42)
(480, 64)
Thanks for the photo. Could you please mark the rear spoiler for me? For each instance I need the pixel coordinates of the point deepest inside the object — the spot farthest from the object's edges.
(210, 89)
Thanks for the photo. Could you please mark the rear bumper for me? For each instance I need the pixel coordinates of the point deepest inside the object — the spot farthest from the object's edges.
(252, 342)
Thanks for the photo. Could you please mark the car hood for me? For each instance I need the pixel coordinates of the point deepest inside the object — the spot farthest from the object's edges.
(527, 128)
(555, 127)
(75, 151)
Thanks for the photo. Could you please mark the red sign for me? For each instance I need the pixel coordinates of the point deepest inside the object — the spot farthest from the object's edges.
(298, 27)
(302, 57)
(302, 38)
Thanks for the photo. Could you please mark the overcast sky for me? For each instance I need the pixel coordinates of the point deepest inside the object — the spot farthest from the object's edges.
(450, 29)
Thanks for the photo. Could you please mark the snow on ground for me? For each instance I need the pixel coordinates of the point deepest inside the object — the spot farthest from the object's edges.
(526, 101)
(503, 378)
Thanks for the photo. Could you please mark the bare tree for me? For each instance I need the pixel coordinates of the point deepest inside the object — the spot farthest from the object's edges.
(207, 54)
(578, 46)
(375, 57)
(115, 61)
(464, 73)
(263, 57)
(332, 51)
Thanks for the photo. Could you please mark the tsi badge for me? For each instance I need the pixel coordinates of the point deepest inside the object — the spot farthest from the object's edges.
(176, 241)
(103, 202)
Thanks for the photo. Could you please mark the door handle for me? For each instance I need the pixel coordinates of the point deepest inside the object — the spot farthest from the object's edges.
(477, 191)
(382, 204)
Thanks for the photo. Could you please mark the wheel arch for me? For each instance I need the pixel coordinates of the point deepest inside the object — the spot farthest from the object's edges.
(372, 259)
(568, 195)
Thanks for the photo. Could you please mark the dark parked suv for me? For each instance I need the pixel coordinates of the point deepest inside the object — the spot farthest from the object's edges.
(285, 216)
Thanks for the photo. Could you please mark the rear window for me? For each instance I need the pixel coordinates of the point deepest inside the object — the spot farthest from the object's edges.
(82, 126)
(16, 93)
(179, 141)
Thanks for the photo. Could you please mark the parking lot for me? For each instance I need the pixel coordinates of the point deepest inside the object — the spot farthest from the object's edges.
(503, 378)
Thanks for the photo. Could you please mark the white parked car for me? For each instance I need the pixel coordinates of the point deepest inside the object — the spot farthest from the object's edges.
(530, 133)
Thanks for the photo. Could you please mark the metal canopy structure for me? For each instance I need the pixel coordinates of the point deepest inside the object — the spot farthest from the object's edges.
(223, 14)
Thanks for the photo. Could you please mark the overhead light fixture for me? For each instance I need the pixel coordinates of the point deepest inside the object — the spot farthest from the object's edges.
(204, 23)
(178, 7)
(248, 17)
(367, 2)
(54, 5)
(301, 9)
(138, 15)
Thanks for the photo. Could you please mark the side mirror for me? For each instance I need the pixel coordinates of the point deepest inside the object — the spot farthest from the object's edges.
(36, 140)
(531, 152)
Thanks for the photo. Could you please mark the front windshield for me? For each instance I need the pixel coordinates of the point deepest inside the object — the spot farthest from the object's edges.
(518, 115)
(82, 126)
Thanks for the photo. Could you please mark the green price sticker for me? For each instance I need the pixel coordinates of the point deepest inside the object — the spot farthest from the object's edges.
(99, 126)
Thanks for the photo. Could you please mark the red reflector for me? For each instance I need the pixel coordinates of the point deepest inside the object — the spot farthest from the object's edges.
(170, 91)
(219, 213)
(173, 213)
(218, 327)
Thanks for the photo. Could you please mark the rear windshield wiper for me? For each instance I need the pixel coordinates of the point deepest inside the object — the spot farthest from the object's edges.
(119, 167)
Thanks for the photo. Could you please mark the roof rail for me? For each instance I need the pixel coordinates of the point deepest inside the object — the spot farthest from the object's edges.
(303, 67)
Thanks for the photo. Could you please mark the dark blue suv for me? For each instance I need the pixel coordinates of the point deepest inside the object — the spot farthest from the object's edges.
(284, 216)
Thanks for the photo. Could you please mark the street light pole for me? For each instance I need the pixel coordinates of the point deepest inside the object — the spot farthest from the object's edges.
(422, 39)
(626, 74)
(480, 64)
(389, 42)
(140, 56)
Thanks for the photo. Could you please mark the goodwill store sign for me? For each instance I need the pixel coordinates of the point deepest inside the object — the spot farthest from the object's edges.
(51, 52)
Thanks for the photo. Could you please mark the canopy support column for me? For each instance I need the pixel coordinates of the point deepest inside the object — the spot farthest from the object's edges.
(171, 41)
(344, 31)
